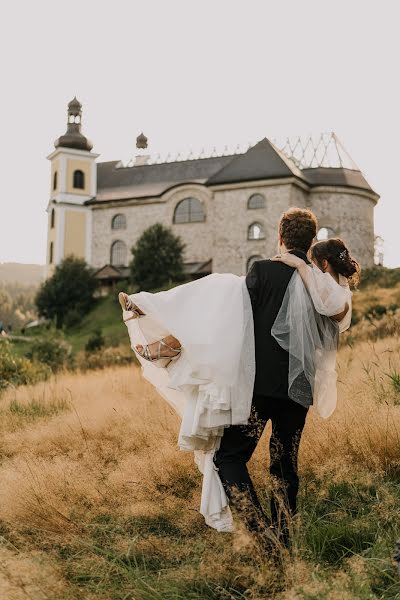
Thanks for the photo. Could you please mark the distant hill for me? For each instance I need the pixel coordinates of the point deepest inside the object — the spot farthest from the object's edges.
(21, 273)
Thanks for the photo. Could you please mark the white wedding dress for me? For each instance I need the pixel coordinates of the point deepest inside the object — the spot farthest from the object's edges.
(210, 386)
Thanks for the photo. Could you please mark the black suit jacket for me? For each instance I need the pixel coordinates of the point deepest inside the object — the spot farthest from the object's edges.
(267, 282)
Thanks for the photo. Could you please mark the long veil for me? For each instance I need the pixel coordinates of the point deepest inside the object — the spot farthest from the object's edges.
(303, 328)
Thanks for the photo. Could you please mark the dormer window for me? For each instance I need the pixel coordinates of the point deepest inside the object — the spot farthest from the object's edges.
(79, 179)
(55, 180)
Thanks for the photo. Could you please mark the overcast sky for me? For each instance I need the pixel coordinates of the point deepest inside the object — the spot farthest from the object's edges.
(193, 73)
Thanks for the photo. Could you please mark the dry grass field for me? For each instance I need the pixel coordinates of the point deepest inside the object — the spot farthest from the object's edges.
(97, 502)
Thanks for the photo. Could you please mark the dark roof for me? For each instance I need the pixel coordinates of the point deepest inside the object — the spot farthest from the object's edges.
(198, 268)
(113, 273)
(110, 272)
(73, 138)
(262, 161)
(336, 177)
(154, 179)
(74, 104)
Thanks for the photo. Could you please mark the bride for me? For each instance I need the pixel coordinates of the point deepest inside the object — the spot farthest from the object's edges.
(208, 325)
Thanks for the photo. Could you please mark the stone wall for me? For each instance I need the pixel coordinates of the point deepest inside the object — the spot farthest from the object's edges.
(197, 237)
(350, 215)
(232, 219)
(223, 236)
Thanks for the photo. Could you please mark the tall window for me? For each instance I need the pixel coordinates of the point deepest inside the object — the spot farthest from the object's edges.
(52, 218)
(189, 210)
(55, 180)
(79, 179)
(118, 222)
(325, 233)
(119, 253)
(252, 260)
(256, 201)
(256, 232)
(51, 253)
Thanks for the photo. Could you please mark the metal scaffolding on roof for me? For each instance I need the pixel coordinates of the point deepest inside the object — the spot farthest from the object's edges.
(324, 150)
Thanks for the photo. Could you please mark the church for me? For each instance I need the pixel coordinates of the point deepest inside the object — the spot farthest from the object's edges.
(225, 207)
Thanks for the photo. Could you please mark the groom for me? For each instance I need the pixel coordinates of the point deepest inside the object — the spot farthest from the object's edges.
(267, 282)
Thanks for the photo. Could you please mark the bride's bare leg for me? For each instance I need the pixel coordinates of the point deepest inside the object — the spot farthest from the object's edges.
(169, 340)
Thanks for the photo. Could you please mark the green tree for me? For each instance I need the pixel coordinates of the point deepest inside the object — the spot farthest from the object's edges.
(70, 290)
(157, 258)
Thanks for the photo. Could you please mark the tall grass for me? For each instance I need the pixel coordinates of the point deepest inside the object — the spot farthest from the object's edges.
(97, 501)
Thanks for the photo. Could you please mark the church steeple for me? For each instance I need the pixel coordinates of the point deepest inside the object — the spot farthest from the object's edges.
(73, 138)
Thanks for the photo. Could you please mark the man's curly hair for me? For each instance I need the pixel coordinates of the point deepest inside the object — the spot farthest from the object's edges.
(298, 227)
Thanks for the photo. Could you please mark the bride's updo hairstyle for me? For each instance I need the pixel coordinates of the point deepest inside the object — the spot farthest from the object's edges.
(338, 256)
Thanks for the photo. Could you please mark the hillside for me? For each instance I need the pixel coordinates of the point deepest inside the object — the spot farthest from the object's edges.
(24, 274)
(105, 316)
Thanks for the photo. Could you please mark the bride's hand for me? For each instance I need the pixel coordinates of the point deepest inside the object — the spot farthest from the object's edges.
(291, 260)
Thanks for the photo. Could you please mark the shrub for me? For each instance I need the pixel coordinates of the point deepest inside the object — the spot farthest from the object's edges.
(107, 357)
(380, 276)
(95, 342)
(17, 370)
(50, 350)
(375, 312)
(157, 258)
(386, 325)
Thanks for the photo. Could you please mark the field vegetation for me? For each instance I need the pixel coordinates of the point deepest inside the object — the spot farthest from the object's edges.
(97, 502)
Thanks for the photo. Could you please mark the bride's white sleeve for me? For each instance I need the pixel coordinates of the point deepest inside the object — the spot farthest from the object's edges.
(329, 298)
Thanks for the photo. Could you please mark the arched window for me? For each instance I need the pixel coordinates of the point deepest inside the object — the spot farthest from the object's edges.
(55, 180)
(252, 260)
(119, 253)
(189, 210)
(256, 201)
(79, 179)
(256, 232)
(51, 253)
(325, 233)
(52, 218)
(118, 222)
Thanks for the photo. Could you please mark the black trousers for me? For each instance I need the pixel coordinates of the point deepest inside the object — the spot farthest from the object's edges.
(237, 446)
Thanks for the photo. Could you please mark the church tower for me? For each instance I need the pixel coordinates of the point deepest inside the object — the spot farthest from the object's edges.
(73, 182)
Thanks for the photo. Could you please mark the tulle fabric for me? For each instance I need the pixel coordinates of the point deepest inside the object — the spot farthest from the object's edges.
(303, 329)
(210, 386)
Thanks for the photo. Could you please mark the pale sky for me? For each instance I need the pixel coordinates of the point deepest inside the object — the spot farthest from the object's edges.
(193, 73)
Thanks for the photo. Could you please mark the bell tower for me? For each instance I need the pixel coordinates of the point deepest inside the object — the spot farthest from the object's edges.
(73, 182)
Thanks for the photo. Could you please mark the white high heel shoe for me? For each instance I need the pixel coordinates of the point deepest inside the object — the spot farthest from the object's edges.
(162, 361)
(128, 307)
